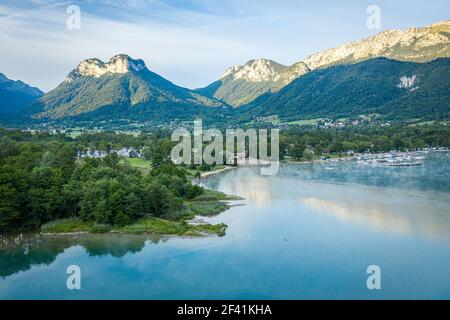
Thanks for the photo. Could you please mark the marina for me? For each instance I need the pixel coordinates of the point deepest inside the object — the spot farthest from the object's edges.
(392, 158)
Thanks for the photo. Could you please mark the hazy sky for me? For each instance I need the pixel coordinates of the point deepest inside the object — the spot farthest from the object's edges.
(189, 42)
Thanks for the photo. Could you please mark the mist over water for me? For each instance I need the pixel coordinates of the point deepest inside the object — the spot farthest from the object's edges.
(308, 233)
(433, 175)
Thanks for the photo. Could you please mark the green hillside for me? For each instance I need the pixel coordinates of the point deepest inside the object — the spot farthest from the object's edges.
(365, 88)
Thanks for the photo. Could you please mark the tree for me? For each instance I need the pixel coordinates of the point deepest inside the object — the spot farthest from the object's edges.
(121, 219)
(147, 153)
(193, 191)
(46, 201)
(9, 207)
(111, 160)
(14, 184)
(160, 151)
(159, 199)
(297, 151)
(102, 212)
(133, 206)
(65, 159)
(337, 146)
(308, 154)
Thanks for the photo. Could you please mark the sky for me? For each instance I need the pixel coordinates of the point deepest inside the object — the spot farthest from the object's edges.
(189, 42)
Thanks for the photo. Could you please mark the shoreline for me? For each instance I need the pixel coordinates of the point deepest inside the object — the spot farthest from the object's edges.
(343, 158)
(209, 203)
(151, 227)
(212, 173)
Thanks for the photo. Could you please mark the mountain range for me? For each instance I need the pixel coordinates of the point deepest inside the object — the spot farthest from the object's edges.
(397, 90)
(15, 96)
(397, 74)
(240, 85)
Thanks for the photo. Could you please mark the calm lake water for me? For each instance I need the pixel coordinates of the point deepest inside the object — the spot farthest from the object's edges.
(308, 233)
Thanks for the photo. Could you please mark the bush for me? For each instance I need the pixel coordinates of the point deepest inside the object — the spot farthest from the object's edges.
(100, 228)
(70, 225)
(210, 208)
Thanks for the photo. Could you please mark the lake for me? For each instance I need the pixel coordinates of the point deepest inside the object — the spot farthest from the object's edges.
(308, 233)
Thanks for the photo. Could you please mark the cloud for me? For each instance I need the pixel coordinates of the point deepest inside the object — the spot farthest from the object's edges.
(43, 50)
(189, 42)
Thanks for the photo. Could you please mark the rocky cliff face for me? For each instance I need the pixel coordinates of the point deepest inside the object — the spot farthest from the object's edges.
(242, 84)
(262, 70)
(414, 44)
(119, 64)
(256, 71)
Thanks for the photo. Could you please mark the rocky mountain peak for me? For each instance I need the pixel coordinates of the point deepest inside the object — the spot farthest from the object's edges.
(118, 64)
(257, 70)
(441, 24)
(293, 72)
(413, 44)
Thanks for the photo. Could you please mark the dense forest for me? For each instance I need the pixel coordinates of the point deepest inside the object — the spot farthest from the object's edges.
(41, 180)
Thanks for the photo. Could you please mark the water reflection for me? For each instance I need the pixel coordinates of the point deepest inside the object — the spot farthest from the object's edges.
(20, 252)
(253, 188)
(404, 220)
(416, 201)
(371, 216)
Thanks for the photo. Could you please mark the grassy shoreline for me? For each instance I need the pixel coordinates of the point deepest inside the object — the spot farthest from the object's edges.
(317, 159)
(208, 204)
(215, 172)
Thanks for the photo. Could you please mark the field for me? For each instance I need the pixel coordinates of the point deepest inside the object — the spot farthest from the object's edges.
(141, 164)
